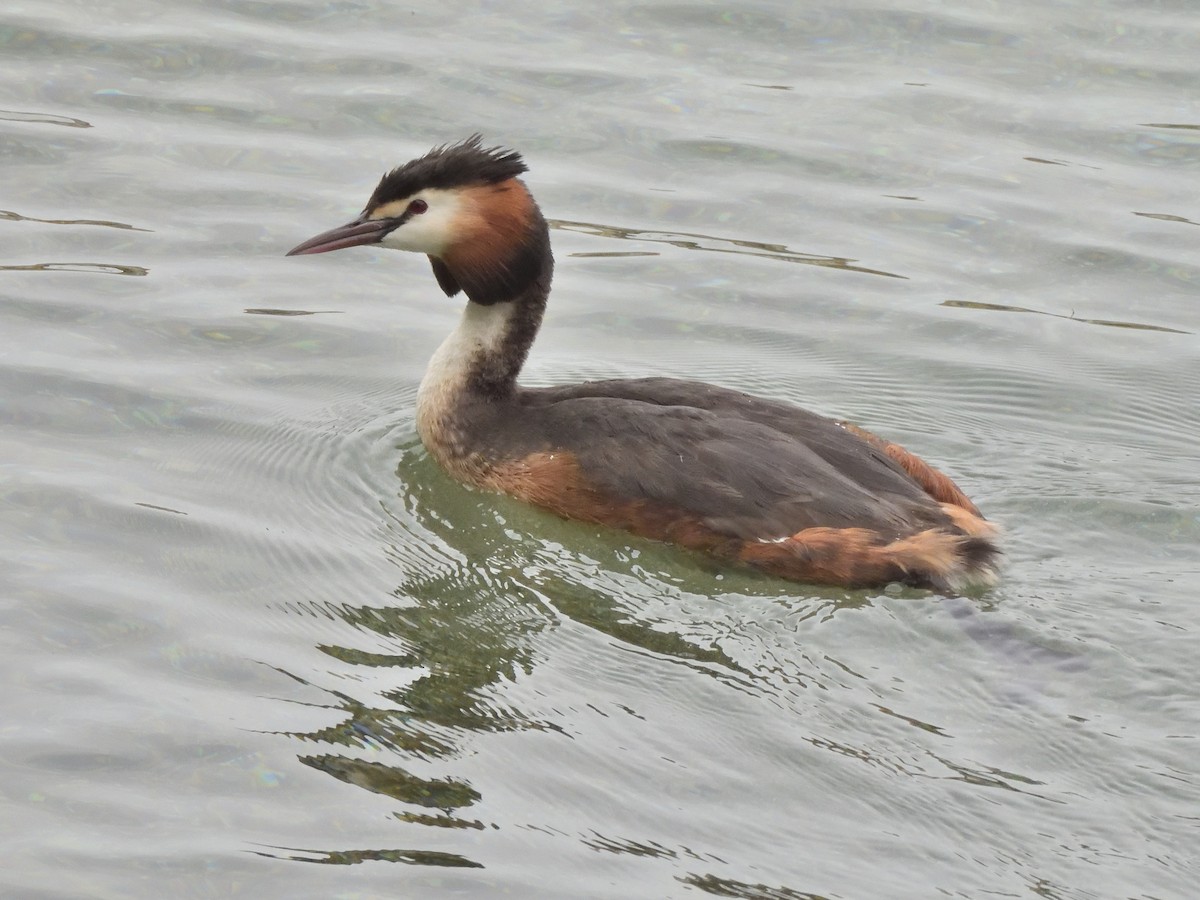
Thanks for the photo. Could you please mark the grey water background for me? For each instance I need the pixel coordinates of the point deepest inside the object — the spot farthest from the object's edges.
(254, 644)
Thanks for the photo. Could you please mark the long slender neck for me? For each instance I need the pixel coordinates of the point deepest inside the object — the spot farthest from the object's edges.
(480, 360)
(483, 355)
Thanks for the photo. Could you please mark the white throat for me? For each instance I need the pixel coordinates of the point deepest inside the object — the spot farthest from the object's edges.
(480, 334)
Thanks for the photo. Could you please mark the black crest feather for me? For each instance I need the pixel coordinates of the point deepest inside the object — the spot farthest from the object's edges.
(449, 166)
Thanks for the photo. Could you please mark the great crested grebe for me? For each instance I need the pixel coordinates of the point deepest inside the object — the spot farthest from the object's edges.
(742, 478)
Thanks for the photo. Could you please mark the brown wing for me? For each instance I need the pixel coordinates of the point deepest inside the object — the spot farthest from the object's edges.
(750, 480)
(743, 467)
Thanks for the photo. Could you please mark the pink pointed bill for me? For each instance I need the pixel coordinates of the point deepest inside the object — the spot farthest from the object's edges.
(352, 234)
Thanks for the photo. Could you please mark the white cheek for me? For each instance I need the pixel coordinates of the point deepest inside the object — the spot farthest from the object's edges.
(431, 231)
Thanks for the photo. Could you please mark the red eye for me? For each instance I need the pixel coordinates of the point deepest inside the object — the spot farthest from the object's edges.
(416, 207)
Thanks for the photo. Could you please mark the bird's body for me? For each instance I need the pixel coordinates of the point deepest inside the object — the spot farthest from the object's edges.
(744, 478)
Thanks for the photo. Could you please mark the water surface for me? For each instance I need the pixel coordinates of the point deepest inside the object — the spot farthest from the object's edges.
(256, 644)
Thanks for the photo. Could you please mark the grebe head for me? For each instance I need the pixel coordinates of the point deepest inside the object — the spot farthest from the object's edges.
(463, 206)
